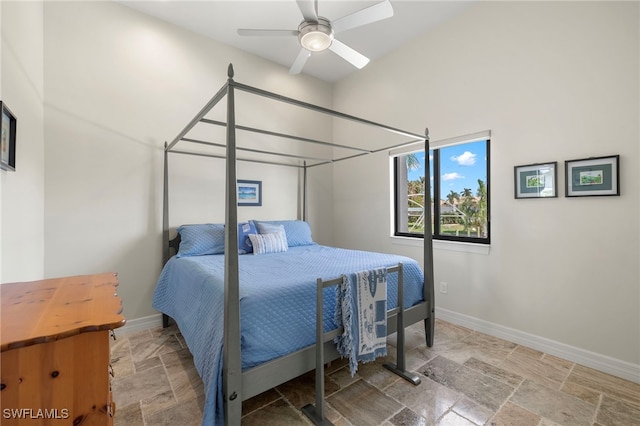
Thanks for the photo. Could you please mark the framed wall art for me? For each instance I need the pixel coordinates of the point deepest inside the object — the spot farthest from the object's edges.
(592, 176)
(536, 180)
(8, 139)
(249, 192)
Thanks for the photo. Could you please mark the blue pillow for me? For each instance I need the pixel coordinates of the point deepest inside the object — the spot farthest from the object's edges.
(208, 238)
(198, 240)
(244, 243)
(298, 232)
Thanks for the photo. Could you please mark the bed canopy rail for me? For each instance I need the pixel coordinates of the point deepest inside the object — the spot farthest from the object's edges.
(233, 377)
(232, 85)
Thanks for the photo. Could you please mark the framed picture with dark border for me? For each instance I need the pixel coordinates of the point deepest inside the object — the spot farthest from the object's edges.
(536, 180)
(249, 192)
(592, 176)
(8, 139)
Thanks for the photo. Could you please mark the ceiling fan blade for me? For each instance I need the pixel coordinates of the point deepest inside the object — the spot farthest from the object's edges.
(357, 59)
(377, 12)
(301, 59)
(309, 9)
(268, 33)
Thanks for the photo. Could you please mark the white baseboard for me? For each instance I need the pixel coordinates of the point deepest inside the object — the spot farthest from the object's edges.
(606, 364)
(139, 324)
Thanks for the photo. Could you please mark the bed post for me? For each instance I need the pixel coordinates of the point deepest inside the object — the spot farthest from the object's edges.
(429, 293)
(231, 361)
(304, 192)
(165, 209)
(165, 221)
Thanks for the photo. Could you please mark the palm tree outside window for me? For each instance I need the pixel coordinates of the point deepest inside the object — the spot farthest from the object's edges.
(460, 183)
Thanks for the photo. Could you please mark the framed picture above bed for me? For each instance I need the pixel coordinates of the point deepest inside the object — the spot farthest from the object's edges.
(8, 139)
(592, 176)
(249, 192)
(536, 180)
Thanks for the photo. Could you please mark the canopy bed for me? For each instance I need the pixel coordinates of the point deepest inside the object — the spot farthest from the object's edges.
(207, 281)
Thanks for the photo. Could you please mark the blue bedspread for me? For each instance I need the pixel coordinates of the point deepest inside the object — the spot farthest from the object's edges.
(277, 304)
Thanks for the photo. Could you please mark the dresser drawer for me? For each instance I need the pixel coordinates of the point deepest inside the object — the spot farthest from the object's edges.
(55, 350)
(64, 379)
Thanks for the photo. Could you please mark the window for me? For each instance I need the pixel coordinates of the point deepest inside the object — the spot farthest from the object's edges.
(459, 181)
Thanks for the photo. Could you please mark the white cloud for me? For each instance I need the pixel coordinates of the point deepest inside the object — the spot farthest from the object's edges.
(452, 176)
(466, 159)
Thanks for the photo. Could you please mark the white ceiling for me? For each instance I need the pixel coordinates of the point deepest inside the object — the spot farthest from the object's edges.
(220, 20)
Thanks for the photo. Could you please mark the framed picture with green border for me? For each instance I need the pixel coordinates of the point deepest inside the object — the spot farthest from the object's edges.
(592, 176)
(536, 180)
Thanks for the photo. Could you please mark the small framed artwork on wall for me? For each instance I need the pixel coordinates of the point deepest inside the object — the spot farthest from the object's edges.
(249, 192)
(592, 176)
(536, 180)
(8, 139)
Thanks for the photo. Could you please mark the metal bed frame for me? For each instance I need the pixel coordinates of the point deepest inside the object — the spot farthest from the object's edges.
(238, 385)
(316, 413)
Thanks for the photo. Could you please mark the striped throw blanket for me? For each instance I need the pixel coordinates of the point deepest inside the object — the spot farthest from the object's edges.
(362, 311)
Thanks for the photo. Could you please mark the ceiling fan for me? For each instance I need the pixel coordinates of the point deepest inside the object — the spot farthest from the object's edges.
(316, 33)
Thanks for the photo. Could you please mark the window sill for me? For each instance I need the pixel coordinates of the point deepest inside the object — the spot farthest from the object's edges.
(443, 245)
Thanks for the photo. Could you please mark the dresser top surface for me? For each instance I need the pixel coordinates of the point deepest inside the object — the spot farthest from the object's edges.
(47, 310)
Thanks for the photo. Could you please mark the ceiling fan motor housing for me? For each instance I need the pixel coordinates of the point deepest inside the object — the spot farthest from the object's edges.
(316, 36)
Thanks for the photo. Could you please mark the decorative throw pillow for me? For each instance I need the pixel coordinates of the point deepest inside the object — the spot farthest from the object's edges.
(244, 230)
(274, 242)
(269, 228)
(202, 239)
(298, 232)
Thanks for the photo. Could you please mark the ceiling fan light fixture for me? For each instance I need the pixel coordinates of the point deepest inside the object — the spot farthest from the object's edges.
(316, 36)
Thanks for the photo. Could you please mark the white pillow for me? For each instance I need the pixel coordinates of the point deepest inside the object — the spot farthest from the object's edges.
(273, 242)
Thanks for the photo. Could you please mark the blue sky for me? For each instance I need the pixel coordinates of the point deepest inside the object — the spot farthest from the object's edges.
(461, 167)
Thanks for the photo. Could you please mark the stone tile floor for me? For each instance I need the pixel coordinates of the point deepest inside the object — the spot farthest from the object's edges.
(468, 378)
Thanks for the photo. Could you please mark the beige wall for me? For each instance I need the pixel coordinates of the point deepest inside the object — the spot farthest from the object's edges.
(22, 191)
(119, 84)
(553, 81)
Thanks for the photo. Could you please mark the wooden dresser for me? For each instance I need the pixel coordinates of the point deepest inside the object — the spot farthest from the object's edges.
(54, 359)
